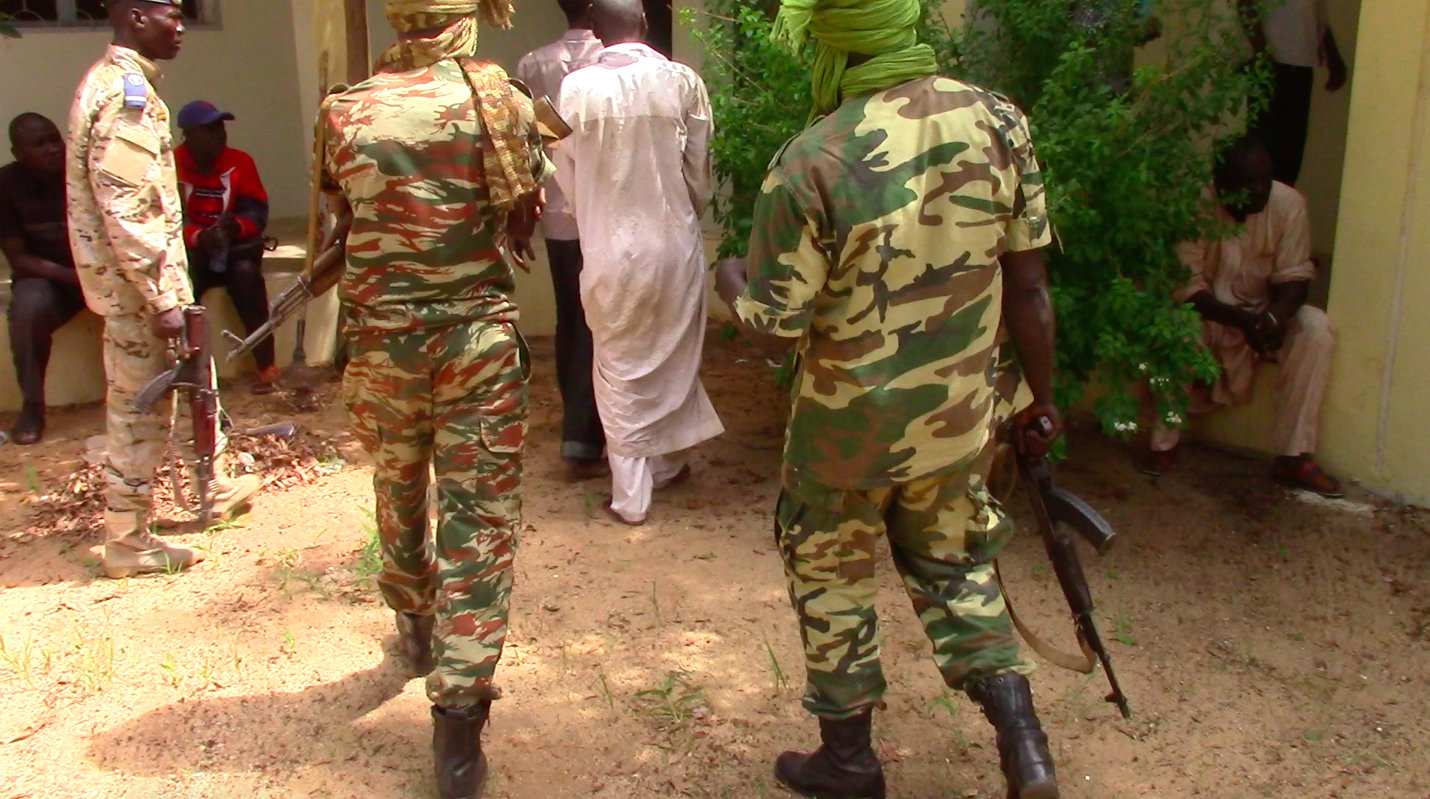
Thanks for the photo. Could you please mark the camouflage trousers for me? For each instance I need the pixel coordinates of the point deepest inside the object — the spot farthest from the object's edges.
(943, 533)
(135, 444)
(452, 400)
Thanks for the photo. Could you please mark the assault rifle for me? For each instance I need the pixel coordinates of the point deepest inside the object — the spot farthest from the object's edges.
(1052, 505)
(314, 281)
(192, 376)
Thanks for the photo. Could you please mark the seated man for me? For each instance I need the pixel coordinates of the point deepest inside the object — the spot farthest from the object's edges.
(225, 212)
(44, 288)
(1251, 291)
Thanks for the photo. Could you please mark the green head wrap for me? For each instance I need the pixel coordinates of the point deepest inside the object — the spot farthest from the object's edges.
(886, 30)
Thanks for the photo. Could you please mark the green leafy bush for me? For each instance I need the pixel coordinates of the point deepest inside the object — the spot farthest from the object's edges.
(1126, 161)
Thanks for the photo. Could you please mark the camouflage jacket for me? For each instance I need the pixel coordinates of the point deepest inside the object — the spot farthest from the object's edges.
(404, 150)
(876, 241)
(126, 221)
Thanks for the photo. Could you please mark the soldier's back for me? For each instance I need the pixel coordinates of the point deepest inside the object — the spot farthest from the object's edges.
(915, 192)
(406, 150)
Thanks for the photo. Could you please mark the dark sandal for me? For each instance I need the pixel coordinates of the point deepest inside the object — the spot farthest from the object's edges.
(1309, 476)
(29, 428)
(618, 518)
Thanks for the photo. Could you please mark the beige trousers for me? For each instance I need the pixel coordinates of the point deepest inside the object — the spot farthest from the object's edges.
(1305, 361)
(134, 355)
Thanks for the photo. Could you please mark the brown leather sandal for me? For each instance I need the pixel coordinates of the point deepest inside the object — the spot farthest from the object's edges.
(1303, 473)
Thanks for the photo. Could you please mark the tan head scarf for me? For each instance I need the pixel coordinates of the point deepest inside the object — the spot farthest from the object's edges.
(452, 34)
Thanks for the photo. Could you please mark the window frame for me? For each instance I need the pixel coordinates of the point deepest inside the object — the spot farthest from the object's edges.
(67, 19)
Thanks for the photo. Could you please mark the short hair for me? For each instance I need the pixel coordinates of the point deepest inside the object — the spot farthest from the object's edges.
(573, 8)
(27, 118)
(1234, 156)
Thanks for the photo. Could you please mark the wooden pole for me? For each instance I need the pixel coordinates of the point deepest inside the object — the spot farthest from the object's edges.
(359, 63)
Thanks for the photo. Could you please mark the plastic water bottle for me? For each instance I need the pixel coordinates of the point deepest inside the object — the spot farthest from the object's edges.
(219, 261)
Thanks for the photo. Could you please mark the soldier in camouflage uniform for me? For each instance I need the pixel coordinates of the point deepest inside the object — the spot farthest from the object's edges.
(126, 232)
(438, 162)
(897, 238)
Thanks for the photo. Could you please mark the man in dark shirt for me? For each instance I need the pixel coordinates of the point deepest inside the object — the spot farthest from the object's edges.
(225, 213)
(44, 289)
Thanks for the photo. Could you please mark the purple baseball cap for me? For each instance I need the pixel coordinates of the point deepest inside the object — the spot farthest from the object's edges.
(200, 113)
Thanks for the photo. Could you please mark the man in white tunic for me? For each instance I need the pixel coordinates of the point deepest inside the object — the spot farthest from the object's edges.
(639, 180)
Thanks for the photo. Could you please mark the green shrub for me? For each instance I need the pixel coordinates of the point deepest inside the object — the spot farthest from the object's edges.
(1126, 167)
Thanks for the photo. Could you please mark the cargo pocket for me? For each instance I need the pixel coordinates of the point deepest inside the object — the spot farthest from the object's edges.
(504, 434)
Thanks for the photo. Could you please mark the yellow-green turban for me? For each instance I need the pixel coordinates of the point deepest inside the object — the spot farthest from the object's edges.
(885, 30)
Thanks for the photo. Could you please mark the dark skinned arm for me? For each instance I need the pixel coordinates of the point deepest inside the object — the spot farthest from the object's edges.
(1028, 315)
(731, 278)
(25, 264)
(1286, 302)
(338, 205)
(1214, 310)
(1332, 55)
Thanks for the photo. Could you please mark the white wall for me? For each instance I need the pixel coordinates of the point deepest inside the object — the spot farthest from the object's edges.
(247, 66)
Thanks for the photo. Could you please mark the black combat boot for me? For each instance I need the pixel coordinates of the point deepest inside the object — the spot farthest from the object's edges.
(1022, 747)
(457, 750)
(845, 767)
(414, 635)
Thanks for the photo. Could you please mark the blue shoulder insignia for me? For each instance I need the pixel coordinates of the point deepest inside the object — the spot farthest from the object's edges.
(136, 90)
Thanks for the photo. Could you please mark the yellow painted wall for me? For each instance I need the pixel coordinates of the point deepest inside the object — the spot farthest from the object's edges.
(1373, 425)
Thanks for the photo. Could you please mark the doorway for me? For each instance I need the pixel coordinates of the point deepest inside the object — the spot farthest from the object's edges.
(659, 20)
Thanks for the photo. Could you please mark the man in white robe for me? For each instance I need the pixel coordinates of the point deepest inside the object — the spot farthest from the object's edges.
(638, 178)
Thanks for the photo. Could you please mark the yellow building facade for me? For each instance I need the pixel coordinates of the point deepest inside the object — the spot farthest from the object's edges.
(1373, 427)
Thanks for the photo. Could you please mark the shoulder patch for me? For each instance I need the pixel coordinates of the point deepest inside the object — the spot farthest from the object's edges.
(136, 90)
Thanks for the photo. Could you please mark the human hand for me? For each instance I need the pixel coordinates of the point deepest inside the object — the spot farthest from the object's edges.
(214, 240)
(1339, 73)
(168, 324)
(1038, 426)
(1259, 330)
(1272, 331)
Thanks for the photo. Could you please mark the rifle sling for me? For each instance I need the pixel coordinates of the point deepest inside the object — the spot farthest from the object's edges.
(1083, 665)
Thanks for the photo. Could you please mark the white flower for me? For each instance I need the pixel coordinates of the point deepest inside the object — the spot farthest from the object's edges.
(1141, 367)
(1173, 419)
(1125, 427)
(1161, 382)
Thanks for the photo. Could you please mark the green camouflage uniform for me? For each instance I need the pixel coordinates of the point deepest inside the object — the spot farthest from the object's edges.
(876, 242)
(438, 371)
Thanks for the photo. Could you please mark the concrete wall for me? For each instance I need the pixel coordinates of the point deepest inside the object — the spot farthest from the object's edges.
(246, 65)
(1373, 425)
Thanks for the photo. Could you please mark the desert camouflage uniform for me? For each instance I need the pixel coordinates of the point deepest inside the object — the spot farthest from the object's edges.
(876, 241)
(438, 371)
(126, 231)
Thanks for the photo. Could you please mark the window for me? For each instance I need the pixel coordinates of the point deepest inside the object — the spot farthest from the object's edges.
(79, 13)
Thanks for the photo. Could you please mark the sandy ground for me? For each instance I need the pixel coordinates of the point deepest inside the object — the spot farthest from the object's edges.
(1270, 648)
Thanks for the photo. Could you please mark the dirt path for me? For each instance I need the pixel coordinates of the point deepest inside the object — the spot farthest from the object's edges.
(1270, 648)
